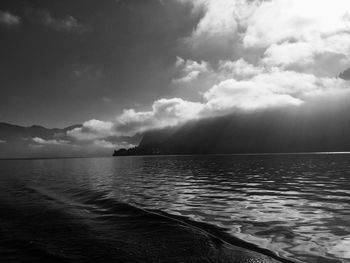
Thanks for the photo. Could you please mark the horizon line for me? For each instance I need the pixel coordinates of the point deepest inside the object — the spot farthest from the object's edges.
(155, 155)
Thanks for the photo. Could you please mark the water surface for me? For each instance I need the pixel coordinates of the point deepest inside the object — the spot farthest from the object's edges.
(297, 206)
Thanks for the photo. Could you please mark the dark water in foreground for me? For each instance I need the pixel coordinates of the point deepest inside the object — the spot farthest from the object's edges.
(176, 209)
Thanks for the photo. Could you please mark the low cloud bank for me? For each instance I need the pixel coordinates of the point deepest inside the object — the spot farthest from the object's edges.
(279, 90)
(41, 141)
(248, 56)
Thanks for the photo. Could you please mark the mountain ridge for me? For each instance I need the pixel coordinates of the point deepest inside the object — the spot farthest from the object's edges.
(9, 131)
(264, 132)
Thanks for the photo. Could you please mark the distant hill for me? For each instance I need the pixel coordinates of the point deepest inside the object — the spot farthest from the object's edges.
(10, 132)
(40, 142)
(17, 141)
(264, 132)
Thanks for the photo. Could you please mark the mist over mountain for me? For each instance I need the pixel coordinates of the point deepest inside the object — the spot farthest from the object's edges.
(269, 131)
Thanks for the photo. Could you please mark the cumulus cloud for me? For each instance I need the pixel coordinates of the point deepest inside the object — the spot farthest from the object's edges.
(8, 19)
(270, 89)
(190, 70)
(296, 32)
(165, 112)
(243, 95)
(293, 34)
(105, 134)
(218, 27)
(238, 69)
(201, 76)
(91, 130)
(41, 141)
(277, 21)
(248, 55)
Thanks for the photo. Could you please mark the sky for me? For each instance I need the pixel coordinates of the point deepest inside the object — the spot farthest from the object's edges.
(65, 62)
(122, 67)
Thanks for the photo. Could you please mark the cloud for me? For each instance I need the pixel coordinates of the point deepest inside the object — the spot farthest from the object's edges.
(8, 19)
(108, 144)
(104, 134)
(243, 95)
(3, 141)
(293, 34)
(259, 90)
(270, 90)
(66, 24)
(345, 74)
(201, 76)
(94, 134)
(239, 69)
(41, 141)
(278, 21)
(218, 27)
(301, 33)
(244, 56)
(91, 130)
(165, 112)
(190, 70)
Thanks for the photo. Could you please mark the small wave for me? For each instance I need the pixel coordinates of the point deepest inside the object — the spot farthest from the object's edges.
(154, 234)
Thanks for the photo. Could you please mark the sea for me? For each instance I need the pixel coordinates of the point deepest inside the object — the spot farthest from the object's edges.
(209, 208)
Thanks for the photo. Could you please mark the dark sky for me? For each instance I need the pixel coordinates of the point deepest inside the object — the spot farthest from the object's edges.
(66, 61)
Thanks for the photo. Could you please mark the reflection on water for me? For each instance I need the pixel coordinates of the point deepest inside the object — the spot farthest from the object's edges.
(295, 205)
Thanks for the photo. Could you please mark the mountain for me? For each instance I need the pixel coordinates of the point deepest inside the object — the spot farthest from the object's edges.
(38, 142)
(19, 141)
(12, 133)
(260, 132)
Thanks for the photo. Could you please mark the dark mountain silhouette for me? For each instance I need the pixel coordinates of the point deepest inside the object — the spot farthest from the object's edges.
(300, 130)
(11, 133)
(17, 141)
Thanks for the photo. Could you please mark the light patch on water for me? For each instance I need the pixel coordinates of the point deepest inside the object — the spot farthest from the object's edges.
(340, 249)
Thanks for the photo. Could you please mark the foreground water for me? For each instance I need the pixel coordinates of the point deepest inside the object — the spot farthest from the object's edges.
(176, 209)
